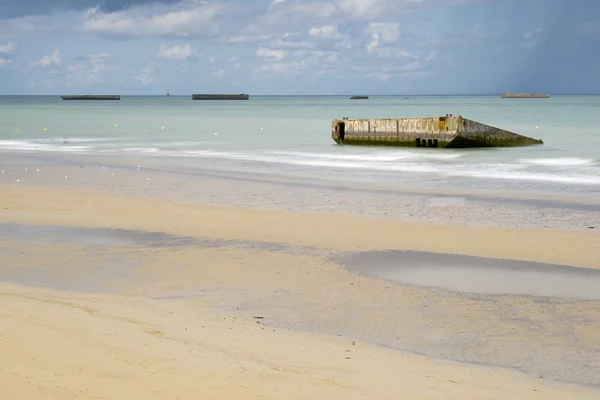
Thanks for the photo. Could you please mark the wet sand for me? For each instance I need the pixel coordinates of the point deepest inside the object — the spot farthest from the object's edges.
(108, 294)
(477, 274)
(208, 185)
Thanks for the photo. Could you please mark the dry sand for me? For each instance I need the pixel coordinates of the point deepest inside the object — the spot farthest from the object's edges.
(71, 207)
(60, 345)
(164, 322)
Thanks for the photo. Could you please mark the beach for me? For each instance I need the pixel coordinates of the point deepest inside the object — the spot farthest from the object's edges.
(109, 293)
(126, 274)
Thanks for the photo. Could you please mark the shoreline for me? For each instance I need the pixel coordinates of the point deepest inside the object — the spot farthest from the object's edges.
(207, 185)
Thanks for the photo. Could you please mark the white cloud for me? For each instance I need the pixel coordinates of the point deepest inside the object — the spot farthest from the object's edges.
(383, 76)
(219, 73)
(188, 18)
(145, 76)
(392, 68)
(392, 52)
(237, 39)
(326, 56)
(276, 55)
(274, 3)
(326, 32)
(363, 9)
(302, 61)
(290, 44)
(212, 60)
(47, 61)
(284, 68)
(7, 48)
(89, 70)
(431, 56)
(382, 33)
(180, 52)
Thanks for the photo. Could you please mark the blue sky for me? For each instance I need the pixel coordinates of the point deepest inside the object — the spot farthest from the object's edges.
(299, 46)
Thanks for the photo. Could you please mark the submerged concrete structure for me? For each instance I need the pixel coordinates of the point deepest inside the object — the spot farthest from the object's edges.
(446, 131)
(92, 97)
(359, 98)
(242, 96)
(524, 96)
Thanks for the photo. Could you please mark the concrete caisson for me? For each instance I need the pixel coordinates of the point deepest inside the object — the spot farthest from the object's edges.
(437, 132)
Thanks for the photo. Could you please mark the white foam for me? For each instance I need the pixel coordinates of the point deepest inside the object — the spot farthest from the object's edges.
(375, 156)
(558, 162)
(67, 139)
(33, 147)
(532, 176)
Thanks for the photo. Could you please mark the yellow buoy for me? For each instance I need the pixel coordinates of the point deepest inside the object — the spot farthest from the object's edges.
(536, 127)
(145, 130)
(18, 132)
(262, 129)
(45, 129)
(116, 125)
(216, 134)
(162, 127)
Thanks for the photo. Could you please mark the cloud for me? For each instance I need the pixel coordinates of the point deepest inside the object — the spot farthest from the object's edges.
(7, 48)
(274, 3)
(188, 18)
(383, 76)
(88, 70)
(382, 33)
(6, 51)
(179, 52)
(392, 52)
(241, 39)
(431, 56)
(53, 60)
(302, 61)
(219, 73)
(325, 32)
(365, 9)
(276, 55)
(292, 44)
(145, 76)
(15, 9)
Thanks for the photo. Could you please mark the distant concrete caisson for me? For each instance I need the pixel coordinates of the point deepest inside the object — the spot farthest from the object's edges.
(242, 96)
(446, 131)
(91, 97)
(524, 96)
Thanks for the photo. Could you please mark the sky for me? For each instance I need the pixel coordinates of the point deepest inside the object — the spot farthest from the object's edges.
(299, 47)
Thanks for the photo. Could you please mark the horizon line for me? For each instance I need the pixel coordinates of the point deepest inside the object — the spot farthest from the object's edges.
(309, 95)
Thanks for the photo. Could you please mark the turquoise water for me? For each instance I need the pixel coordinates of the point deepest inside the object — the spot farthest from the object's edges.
(291, 135)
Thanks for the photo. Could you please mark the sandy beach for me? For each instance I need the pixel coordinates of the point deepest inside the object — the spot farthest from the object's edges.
(110, 293)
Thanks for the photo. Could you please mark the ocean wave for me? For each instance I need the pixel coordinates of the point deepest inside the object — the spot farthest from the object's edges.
(558, 162)
(40, 147)
(71, 140)
(376, 156)
(591, 180)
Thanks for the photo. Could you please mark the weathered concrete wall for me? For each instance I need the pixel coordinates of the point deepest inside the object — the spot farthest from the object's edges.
(445, 131)
(399, 131)
(91, 97)
(524, 96)
(242, 96)
(480, 135)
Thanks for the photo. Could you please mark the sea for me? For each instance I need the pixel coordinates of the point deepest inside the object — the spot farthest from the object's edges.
(291, 136)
